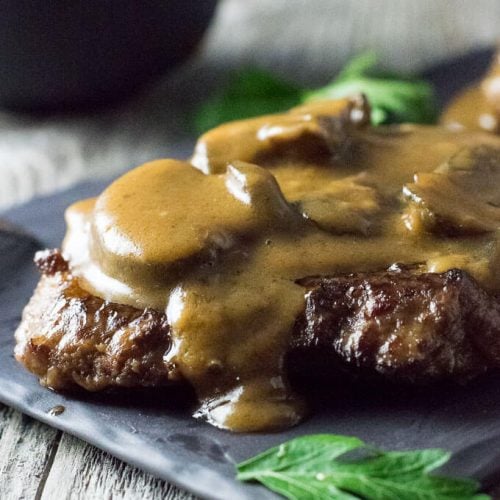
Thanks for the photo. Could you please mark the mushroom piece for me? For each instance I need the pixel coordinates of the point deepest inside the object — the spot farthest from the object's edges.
(462, 196)
(318, 131)
(344, 207)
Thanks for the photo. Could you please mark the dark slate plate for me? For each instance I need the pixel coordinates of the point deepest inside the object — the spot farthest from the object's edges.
(154, 430)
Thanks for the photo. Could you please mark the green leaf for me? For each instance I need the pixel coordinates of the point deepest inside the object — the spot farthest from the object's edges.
(393, 99)
(306, 449)
(296, 488)
(250, 93)
(253, 92)
(358, 66)
(321, 467)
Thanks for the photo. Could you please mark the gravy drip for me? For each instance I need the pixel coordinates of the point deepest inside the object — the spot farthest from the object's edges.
(219, 243)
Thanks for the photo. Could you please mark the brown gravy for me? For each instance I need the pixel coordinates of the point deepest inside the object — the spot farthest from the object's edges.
(477, 107)
(219, 242)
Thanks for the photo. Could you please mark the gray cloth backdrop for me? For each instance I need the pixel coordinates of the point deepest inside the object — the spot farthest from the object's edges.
(303, 40)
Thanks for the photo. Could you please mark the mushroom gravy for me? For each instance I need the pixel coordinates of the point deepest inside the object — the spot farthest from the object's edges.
(220, 242)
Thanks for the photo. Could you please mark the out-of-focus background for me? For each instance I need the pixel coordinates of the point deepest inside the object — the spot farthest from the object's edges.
(304, 41)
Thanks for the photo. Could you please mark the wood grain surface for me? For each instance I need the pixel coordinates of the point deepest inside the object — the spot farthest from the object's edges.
(38, 462)
(303, 40)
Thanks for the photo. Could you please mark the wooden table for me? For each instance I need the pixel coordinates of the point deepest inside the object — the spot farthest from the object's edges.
(38, 462)
(304, 40)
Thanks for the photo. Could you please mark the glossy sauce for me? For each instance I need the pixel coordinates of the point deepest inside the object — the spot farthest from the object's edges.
(477, 107)
(218, 243)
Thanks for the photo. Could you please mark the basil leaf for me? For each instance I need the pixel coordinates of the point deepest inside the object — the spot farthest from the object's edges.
(357, 66)
(254, 92)
(320, 467)
(250, 93)
(393, 99)
(306, 449)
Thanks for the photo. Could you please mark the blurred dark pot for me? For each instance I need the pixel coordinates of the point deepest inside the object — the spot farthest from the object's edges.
(57, 54)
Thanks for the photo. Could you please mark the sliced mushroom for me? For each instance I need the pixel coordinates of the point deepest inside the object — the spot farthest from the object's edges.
(318, 131)
(343, 207)
(242, 203)
(462, 196)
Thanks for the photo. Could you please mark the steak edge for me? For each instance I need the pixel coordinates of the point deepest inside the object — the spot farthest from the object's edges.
(401, 324)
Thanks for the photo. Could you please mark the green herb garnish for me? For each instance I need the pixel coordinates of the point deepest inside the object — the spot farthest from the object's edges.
(393, 99)
(325, 467)
(251, 92)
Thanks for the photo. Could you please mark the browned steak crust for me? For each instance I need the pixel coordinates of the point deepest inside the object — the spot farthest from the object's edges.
(400, 323)
(68, 336)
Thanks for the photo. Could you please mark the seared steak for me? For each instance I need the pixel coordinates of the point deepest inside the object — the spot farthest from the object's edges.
(400, 323)
(70, 337)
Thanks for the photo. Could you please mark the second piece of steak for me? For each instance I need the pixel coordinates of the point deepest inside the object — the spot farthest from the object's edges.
(403, 324)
